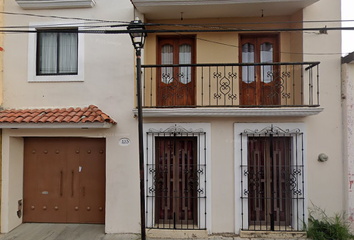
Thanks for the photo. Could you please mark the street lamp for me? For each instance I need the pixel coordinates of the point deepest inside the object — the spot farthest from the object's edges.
(137, 34)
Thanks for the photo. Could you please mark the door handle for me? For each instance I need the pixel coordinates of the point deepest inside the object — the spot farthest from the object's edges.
(61, 183)
(83, 191)
(72, 183)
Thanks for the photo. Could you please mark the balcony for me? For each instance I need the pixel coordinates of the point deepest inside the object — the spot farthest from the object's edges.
(171, 9)
(238, 89)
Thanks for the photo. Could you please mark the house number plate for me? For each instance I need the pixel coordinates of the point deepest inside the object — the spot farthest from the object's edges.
(124, 142)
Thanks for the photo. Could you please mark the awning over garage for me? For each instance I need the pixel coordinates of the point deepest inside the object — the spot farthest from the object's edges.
(87, 117)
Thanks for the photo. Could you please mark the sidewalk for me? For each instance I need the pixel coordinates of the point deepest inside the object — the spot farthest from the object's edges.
(45, 231)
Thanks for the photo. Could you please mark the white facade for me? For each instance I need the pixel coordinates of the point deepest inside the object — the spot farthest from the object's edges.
(105, 79)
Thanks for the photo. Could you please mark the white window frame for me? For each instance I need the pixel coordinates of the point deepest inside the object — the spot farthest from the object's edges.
(238, 129)
(205, 127)
(32, 55)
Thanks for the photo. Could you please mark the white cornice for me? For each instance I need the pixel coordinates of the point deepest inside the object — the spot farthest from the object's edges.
(51, 4)
(193, 9)
(206, 2)
(230, 112)
(55, 125)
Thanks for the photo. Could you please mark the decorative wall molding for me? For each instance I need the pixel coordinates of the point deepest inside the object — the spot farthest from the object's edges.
(51, 4)
(209, 2)
(230, 112)
(175, 129)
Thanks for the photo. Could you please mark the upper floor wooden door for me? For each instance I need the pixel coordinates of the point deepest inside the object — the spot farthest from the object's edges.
(259, 85)
(176, 85)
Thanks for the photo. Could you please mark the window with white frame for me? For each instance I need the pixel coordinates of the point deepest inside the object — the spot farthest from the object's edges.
(57, 52)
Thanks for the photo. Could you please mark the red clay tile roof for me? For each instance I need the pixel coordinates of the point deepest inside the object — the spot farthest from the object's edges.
(64, 115)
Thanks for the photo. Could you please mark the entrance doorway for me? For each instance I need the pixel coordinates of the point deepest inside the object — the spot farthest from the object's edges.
(269, 164)
(176, 181)
(64, 180)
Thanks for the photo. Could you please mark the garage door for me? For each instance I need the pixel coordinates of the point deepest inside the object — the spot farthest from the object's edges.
(64, 180)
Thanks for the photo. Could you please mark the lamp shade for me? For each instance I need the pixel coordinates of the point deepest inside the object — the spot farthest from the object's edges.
(137, 33)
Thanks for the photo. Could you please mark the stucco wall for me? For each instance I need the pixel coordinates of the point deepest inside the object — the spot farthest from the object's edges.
(323, 134)
(222, 164)
(108, 83)
(324, 130)
(1, 86)
(348, 139)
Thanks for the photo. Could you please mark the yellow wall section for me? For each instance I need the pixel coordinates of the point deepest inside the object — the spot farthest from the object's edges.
(223, 47)
(1, 91)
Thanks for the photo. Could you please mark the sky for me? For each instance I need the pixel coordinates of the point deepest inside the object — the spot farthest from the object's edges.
(347, 36)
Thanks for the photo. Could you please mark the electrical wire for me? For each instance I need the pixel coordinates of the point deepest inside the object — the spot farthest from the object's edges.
(126, 23)
(281, 52)
(211, 28)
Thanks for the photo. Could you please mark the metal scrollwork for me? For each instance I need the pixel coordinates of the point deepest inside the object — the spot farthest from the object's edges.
(174, 87)
(224, 83)
(279, 85)
(270, 130)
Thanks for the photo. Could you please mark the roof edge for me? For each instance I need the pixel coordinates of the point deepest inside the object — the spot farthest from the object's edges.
(89, 125)
(348, 58)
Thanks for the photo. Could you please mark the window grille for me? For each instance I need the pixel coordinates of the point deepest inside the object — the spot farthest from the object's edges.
(272, 180)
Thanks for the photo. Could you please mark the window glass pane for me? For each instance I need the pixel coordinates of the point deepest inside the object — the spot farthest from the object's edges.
(267, 57)
(167, 58)
(248, 57)
(185, 57)
(68, 53)
(47, 47)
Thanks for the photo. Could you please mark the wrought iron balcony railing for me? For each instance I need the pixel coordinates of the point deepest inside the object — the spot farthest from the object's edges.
(231, 85)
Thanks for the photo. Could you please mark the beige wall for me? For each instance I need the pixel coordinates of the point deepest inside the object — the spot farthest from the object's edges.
(1, 83)
(222, 165)
(12, 172)
(224, 47)
(326, 188)
(108, 83)
(324, 181)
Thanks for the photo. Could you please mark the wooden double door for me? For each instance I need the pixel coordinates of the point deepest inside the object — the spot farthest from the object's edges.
(260, 84)
(176, 182)
(64, 180)
(176, 85)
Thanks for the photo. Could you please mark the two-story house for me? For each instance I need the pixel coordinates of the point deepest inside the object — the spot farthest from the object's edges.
(242, 117)
(240, 104)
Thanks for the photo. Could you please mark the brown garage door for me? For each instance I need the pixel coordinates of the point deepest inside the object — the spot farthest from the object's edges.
(64, 180)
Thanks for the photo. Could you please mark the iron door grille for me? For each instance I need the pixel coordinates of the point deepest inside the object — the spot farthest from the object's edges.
(176, 179)
(272, 180)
